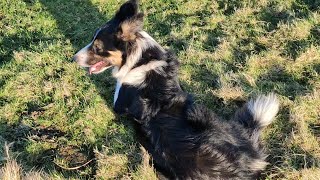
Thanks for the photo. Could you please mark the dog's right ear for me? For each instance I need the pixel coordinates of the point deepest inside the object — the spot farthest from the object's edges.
(127, 10)
(129, 28)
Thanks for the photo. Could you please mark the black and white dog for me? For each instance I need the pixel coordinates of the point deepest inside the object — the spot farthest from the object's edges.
(186, 140)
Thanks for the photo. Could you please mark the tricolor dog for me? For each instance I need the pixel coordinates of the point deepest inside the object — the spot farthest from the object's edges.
(186, 140)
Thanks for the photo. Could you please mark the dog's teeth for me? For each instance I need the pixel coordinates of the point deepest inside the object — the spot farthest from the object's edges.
(92, 69)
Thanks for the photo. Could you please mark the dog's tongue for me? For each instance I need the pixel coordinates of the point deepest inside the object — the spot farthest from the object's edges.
(97, 67)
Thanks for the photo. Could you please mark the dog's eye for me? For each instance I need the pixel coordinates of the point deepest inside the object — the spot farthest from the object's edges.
(97, 46)
(97, 49)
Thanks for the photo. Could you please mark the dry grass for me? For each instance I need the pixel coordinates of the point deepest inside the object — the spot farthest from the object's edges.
(13, 171)
(144, 170)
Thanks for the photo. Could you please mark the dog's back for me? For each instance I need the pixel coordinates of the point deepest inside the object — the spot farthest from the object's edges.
(188, 141)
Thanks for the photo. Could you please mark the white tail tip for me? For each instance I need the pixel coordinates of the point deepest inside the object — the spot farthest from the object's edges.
(264, 108)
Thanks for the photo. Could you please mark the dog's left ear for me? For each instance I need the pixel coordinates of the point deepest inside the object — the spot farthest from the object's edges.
(129, 28)
(127, 10)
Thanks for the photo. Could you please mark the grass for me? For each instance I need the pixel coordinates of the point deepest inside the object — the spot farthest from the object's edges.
(230, 50)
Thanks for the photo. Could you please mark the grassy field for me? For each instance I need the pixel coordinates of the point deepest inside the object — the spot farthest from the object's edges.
(58, 117)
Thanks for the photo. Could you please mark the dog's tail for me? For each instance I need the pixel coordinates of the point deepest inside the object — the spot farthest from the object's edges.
(258, 113)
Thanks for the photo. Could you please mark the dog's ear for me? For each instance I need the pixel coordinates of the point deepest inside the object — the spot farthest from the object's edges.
(127, 10)
(129, 28)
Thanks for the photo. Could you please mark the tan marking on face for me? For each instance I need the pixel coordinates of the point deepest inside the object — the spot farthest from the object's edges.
(115, 58)
(93, 58)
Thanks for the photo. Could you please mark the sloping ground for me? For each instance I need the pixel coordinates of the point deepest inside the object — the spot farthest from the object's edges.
(61, 120)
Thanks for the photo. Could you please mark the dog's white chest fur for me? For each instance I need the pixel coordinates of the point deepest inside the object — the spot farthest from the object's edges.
(116, 93)
(136, 76)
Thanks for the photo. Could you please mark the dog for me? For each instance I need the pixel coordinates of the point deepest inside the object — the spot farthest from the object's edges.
(186, 140)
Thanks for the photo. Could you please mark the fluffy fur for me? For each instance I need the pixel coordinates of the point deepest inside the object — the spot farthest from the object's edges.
(186, 140)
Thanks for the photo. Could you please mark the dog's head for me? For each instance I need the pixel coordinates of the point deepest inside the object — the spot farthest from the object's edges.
(108, 46)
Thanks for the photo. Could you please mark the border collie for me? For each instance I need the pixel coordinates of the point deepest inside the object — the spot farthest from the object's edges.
(186, 140)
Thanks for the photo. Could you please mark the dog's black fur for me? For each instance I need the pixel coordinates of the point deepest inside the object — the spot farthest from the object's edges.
(187, 140)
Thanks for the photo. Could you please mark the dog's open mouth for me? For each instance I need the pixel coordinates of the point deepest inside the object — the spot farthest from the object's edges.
(99, 67)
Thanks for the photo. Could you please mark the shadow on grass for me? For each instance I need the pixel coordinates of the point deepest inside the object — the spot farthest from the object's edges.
(48, 145)
(299, 9)
(23, 40)
(244, 49)
(163, 29)
(208, 80)
(272, 16)
(284, 155)
(77, 20)
(315, 129)
(228, 7)
(315, 34)
(283, 83)
(276, 140)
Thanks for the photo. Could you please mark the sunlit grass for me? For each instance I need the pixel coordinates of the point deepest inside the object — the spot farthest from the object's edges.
(59, 118)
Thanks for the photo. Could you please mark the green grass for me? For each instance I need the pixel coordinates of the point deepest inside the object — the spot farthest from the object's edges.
(230, 50)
